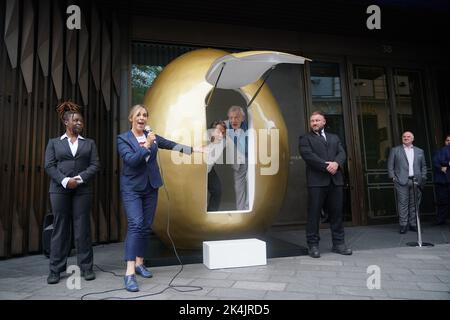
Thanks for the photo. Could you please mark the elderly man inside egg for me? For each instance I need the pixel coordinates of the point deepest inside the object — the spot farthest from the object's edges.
(190, 93)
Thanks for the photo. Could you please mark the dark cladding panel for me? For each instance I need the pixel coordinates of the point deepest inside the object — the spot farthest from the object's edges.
(27, 54)
(36, 38)
(57, 51)
(106, 66)
(83, 61)
(43, 49)
(116, 54)
(12, 30)
(71, 55)
(95, 47)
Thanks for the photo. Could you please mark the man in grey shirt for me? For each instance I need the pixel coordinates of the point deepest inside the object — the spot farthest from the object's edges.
(408, 171)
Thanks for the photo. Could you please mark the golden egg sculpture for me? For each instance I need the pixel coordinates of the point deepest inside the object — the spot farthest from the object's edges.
(177, 103)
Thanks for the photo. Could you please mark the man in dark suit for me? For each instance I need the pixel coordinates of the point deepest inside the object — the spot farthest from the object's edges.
(71, 161)
(408, 171)
(324, 157)
(441, 164)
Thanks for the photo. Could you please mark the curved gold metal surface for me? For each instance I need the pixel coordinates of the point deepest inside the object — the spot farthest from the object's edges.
(176, 104)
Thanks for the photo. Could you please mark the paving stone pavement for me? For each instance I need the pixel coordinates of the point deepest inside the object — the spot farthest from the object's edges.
(405, 273)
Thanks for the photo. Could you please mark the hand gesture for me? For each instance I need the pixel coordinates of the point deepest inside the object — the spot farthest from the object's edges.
(151, 138)
(332, 167)
(72, 183)
(201, 149)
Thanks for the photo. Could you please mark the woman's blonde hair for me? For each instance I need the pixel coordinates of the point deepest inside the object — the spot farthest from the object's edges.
(134, 109)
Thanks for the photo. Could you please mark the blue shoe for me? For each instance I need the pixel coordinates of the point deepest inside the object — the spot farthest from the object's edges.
(131, 283)
(141, 270)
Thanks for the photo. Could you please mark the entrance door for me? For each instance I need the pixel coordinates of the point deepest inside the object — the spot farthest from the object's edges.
(376, 139)
(388, 102)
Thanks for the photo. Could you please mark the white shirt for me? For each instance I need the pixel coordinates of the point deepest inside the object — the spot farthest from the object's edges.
(214, 151)
(73, 148)
(410, 156)
(322, 133)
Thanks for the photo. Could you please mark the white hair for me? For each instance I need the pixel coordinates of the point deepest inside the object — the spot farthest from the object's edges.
(412, 134)
(237, 108)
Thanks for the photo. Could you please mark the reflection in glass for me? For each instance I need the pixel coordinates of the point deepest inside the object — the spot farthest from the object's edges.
(376, 138)
(410, 108)
(411, 116)
(142, 77)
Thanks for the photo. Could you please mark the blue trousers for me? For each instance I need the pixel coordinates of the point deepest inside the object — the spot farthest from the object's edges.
(140, 208)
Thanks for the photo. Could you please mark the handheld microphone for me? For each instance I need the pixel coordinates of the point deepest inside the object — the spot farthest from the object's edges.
(148, 129)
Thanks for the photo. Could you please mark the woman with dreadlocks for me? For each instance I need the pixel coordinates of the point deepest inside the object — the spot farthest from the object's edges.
(71, 161)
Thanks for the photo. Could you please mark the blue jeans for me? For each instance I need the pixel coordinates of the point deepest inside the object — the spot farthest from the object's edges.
(140, 208)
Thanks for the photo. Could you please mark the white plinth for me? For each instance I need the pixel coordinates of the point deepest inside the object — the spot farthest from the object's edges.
(234, 253)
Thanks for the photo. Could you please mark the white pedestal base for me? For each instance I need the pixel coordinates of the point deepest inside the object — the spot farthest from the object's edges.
(234, 253)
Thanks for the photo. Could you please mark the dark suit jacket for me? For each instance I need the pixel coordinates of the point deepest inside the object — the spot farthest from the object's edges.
(398, 165)
(316, 151)
(441, 158)
(60, 163)
(136, 172)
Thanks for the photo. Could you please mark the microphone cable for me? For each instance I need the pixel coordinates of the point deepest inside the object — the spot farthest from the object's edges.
(170, 285)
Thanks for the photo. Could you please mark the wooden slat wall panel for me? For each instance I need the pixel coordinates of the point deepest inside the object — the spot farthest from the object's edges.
(41, 64)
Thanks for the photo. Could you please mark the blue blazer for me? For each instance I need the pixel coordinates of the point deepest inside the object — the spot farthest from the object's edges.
(137, 172)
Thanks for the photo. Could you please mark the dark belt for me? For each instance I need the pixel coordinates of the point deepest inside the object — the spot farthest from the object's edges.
(411, 178)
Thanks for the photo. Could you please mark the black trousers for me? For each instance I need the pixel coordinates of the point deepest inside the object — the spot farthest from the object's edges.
(215, 191)
(71, 208)
(330, 197)
(443, 201)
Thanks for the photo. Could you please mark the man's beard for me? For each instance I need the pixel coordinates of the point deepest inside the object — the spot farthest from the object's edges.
(318, 130)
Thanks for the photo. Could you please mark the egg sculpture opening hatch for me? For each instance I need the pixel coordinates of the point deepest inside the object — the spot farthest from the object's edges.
(177, 103)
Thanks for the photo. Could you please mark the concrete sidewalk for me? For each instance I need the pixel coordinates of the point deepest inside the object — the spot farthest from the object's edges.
(406, 272)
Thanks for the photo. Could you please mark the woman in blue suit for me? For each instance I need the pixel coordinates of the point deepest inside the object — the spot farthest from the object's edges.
(139, 183)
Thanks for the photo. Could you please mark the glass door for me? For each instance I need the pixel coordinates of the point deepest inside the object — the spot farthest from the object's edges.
(388, 102)
(376, 138)
(412, 116)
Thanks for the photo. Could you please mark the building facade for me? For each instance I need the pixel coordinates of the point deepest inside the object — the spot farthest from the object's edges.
(371, 84)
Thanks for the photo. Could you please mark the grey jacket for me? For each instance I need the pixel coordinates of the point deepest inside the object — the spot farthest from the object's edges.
(398, 165)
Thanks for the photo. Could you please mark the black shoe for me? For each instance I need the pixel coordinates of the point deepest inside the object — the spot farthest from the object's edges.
(53, 278)
(314, 252)
(88, 275)
(325, 219)
(413, 228)
(342, 249)
(403, 229)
